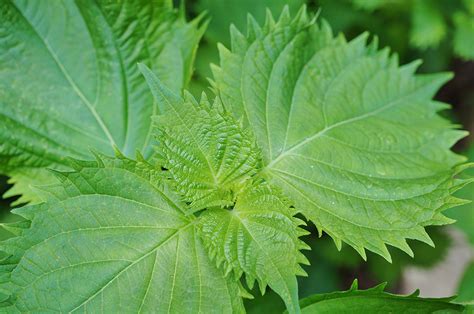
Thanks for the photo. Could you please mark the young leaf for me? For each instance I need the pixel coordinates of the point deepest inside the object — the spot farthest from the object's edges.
(258, 237)
(351, 137)
(113, 239)
(203, 147)
(212, 162)
(375, 300)
(69, 81)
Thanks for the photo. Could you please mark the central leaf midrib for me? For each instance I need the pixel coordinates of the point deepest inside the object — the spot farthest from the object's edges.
(123, 76)
(348, 194)
(278, 270)
(192, 136)
(334, 213)
(69, 79)
(307, 140)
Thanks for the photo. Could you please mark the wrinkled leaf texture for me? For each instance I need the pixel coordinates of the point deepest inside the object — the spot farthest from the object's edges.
(69, 81)
(342, 133)
(349, 135)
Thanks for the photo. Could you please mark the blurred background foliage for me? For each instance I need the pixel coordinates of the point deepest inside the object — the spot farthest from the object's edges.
(441, 33)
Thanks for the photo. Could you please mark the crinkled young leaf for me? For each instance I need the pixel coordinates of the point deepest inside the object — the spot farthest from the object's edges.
(207, 153)
(352, 138)
(376, 300)
(113, 239)
(258, 237)
(69, 81)
(212, 160)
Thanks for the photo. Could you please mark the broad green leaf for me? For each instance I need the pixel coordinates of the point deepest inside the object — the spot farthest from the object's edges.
(69, 81)
(203, 147)
(112, 238)
(375, 300)
(428, 27)
(258, 237)
(351, 137)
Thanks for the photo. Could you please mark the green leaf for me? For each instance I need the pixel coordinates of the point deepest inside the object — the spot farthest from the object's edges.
(203, 147)
(464, 215)
(463, 34)
(69, 81)
(466, 287)
(113, 238)
(351, 137)
(258, 237)
(248, 228)
(218, 29)
(375, 300)
(428, 27)
(24, 180)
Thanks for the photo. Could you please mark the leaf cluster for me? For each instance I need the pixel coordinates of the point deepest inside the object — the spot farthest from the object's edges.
(306, 126)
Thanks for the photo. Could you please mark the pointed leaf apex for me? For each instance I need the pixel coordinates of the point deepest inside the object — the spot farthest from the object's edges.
(285, 16)
(253, 28)
(301, 16)
(301, 272)
(407, 249)
(354, 285)
(380, 287)
(383, 251)
(338, 243)
(315, 16)
(164, 97)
